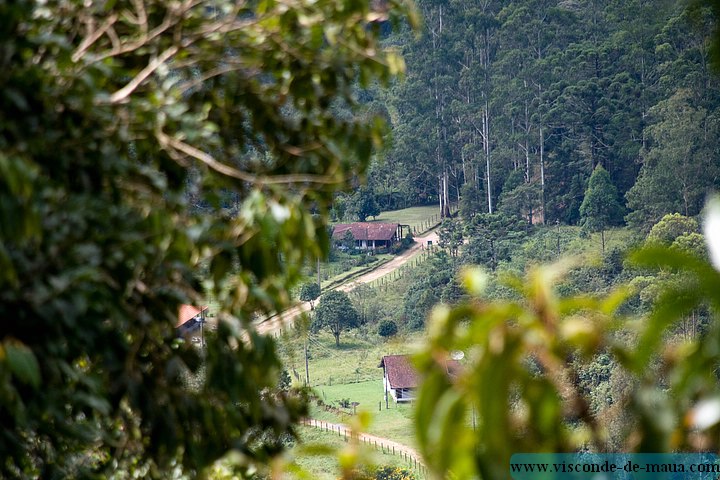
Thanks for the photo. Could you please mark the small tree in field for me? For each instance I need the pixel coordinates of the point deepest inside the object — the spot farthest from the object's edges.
(335, 312)
(387, 328)
(309, 292)
(600, 207)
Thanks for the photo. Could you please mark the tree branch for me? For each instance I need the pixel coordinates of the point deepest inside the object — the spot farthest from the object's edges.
(92, 37)
(122, 94)
(171, 144)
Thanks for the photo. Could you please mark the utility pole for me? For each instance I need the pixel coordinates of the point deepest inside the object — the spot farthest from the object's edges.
(307, 370)
(318, 271)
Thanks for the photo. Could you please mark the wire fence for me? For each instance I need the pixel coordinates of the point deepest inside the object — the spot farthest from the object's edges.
(423, 226)
(398, 273)
(407, 455)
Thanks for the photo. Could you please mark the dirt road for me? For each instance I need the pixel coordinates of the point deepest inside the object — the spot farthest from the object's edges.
(285, 319)
(381, 443)
(418, 247)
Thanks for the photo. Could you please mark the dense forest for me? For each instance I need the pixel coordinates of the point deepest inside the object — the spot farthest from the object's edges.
(510, 106)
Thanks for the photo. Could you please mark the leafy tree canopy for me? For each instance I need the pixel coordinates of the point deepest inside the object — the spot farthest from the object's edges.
(680, 164)
(450, 235)
(112, 116)
(528, 386)
(672, 226)
(493, 236)
(309, 292)
(362, 204)
(336, 313)
(387, 328)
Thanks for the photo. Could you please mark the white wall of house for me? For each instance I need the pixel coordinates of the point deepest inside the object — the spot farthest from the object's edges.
(387, 389)
(398, 394)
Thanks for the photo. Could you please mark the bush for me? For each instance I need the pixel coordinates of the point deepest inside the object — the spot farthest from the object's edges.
(387, 328)
(383, 473)
(394, 473)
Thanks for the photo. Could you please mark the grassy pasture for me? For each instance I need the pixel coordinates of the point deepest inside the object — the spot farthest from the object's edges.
(316, 455)
(351, 372)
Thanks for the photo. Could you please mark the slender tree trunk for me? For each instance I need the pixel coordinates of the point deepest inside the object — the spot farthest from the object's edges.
(441, 197)
(542, 175)
(526, 147)
(486, 146)
(446, 194)
(457, 189)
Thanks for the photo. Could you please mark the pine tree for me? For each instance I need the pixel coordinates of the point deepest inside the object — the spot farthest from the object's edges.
(600, 207)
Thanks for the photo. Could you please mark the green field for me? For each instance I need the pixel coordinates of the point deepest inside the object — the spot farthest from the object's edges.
(395, 422)
(420, 219)
(316, 455)
(352, 372)
(335, 273)
(356, 360)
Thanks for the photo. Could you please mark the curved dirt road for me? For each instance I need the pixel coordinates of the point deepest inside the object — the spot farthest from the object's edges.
(381, 442)
(285, 319)
(418, 247)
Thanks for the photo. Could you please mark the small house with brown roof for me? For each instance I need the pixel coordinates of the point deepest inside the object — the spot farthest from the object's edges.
(401, 380)
(369, 235)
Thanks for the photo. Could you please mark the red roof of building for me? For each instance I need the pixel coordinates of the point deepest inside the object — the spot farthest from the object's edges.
(366, 230)
(402, 374)
(399, 370)
(188, 312)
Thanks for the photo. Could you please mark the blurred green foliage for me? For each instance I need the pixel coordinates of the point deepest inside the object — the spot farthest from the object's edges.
(117, 120)
(546, 373)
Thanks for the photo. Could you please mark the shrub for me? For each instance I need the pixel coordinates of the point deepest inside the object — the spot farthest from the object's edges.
(387, 328)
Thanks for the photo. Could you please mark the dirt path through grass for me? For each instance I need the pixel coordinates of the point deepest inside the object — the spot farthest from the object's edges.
(285, 319)
(380, 443)
(418, 247)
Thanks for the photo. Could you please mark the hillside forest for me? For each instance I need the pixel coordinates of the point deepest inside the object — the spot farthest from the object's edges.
(509, 107)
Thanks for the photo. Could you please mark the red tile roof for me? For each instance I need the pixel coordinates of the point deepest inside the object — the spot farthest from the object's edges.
(188, 312)
(402, 374)
(366, 230)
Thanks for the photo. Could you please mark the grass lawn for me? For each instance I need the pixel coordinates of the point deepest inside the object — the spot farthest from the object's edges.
(316, 455)
(351, 371)
(590, 248)
(395, 422)
(355, 360)
(334, 273)
(419, 218)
